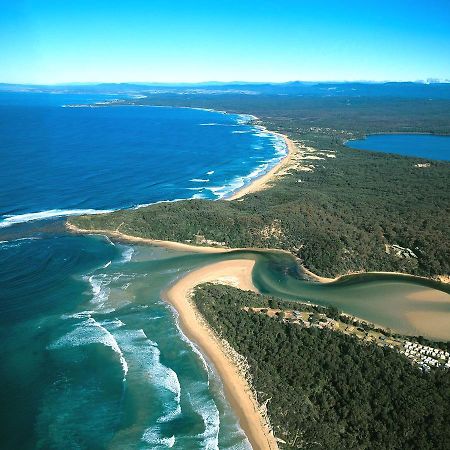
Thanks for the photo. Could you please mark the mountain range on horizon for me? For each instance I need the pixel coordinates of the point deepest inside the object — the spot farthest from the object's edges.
(428, 89)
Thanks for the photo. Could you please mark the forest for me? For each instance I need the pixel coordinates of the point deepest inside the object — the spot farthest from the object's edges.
(341, 216)
(326, 389)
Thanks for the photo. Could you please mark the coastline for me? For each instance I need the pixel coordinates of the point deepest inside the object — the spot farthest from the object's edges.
(263, 182)
(237, 389)
(180, 246)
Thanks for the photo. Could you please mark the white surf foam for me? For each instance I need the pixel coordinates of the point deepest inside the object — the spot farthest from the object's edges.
(245, 118)
(17, 242)
(198, 196)
(100, 290)
(210, 172)
(152, 436)
(143, 205)
(7, 220)
(206, 408)
(89, 331)
(127, 254)
(145, 355)
(199, 180)
(209, 413)
(190, 343)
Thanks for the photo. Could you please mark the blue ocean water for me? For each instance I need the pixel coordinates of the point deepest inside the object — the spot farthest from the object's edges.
(66, 160)
(92, 356)
(426, 146)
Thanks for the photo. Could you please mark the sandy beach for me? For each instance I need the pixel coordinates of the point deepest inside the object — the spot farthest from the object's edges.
(137, 240)
(265, 180)
(238, 391)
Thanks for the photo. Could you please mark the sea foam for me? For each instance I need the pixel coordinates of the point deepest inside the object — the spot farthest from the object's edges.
(7, 220)
(89, 331)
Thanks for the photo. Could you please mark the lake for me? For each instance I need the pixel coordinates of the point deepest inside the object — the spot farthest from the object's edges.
(426, 146)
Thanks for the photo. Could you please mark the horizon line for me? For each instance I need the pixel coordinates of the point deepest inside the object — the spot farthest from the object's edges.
(212, 82)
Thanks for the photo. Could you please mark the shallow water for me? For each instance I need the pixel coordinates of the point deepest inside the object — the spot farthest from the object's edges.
(91, 355)
(405, 304)
(426, 146)
(93, 358)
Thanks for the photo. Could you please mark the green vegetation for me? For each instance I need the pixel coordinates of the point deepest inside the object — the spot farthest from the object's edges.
(339, 217)
(294, 114)
(326, 389)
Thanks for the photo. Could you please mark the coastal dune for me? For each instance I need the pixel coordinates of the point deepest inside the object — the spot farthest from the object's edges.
(237, 389)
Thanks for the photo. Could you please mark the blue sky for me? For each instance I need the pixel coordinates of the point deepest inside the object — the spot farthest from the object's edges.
(57, 41)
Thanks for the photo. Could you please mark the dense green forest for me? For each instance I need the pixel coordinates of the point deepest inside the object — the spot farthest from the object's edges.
(296, 114)
(339, 217)
(328, 390)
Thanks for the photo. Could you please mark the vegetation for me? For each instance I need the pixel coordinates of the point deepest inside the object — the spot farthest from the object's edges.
(327, 389)
(339, 217)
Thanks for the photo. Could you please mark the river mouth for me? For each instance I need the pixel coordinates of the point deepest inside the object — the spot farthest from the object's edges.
(405, 304)
(98, 332)
(402, 303)
(427, 146)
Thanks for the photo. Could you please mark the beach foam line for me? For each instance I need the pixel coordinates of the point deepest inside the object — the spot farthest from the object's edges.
(143, 205)
(241, 180)
(236, 385)
(9, 220)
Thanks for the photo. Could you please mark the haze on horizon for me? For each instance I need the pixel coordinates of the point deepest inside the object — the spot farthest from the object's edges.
(47, 42)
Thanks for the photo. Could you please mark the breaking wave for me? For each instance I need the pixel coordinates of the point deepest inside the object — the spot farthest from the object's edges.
(7, 220)
(89, 331)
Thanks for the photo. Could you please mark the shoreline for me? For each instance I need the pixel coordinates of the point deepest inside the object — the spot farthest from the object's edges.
(263, 182)
(180, 246)
(236, 272)
(237, 388)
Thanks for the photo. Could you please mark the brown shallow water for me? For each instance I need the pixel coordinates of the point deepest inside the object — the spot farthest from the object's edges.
(404, 304)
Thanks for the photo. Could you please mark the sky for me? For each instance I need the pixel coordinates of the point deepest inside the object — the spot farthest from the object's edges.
(62, 41)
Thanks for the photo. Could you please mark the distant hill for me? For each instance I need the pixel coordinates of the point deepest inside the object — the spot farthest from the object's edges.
(435, 90)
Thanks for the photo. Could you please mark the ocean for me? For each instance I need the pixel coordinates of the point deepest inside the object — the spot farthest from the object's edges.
(92, 357)
(74, 159)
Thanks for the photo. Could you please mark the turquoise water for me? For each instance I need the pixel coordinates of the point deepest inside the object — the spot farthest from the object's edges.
(91, 355)
(93, 358)
(426, 146)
